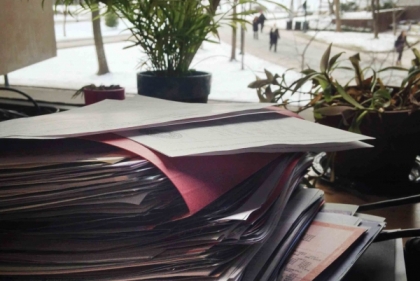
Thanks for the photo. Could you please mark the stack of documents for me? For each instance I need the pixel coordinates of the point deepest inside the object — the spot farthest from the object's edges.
(147, 189)
(104, 214)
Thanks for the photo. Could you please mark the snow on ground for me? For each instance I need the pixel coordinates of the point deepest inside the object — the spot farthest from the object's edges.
(76, 67)
(361, 41)
(83, 30)
(76, 13)
(357, 15)
(365, 14)
(72, 18)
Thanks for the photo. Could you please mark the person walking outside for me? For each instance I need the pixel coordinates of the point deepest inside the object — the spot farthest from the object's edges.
(399, 45)
(261, 20)
(255, 27)
(274, 36)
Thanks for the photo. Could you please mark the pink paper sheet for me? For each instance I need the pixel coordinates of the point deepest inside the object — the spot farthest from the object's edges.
(199, 179)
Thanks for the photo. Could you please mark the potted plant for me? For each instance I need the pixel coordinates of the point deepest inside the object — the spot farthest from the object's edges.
(93, 94)
(388, 113)
(170, 34)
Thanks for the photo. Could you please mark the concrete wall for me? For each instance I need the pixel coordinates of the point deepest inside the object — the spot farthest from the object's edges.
(26, 33)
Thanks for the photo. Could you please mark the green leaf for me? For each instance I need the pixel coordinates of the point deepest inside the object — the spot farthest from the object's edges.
(393, 68)
(269, 75)
(416, 61)
(325, 58)
(344, 68)
(261, 97)
(308, 71)
(355, 126)
(259, 84)
(382, 94)
(416, 53)
(409, 77)
(269, 94)
(355, 59)
(299, 83)
(322, 81)
(333, 61)
(317, 115)
(328, 93)
(275, 82)
(374, 81)
(381, 98)
(347, 97)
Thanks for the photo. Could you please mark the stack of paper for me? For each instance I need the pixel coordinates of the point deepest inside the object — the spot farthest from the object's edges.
(157, 190)
(109, 215)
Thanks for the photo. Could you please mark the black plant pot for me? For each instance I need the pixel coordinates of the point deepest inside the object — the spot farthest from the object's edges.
(389, 162)
(194, 88)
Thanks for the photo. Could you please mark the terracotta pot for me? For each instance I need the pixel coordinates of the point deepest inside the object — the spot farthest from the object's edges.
(396, 145)
(96, 95)
(194, 88)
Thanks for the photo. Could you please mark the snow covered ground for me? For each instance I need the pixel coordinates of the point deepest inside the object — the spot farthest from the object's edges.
(83, 30)
(76, 67)
(361, 41)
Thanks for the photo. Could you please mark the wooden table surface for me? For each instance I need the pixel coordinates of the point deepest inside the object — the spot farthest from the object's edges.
(405, 216)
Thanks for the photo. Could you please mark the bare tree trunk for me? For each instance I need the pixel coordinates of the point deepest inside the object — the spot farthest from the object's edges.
(377, 18)
(233, 52)
(394, 19)
(64, 23)
(374, 4)
(99, 45)
(242, 46)
(337, 16)
(331, 7)
(397, 17)
(291, 10)
(243, 40)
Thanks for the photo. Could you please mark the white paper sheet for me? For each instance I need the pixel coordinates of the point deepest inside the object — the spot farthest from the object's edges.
(251, 133)
(338, 208)
(116, 115)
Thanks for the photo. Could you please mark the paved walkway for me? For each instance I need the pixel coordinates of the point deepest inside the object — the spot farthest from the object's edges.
(291, 47)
